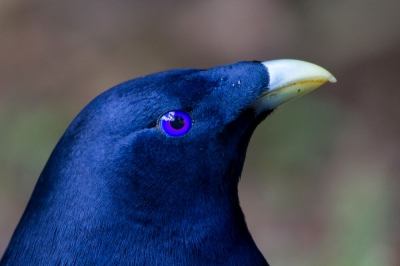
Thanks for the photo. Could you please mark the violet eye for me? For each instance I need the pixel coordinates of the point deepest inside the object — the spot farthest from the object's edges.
(175, 123)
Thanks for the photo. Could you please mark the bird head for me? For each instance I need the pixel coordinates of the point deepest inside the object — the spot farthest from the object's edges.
(170, 136)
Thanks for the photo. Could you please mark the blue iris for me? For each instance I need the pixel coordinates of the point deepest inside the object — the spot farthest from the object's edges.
(175, 123)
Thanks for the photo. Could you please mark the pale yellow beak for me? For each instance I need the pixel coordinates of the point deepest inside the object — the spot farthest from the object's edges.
(290, 79)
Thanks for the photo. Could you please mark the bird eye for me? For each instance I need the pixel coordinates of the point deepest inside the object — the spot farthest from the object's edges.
(175, 123)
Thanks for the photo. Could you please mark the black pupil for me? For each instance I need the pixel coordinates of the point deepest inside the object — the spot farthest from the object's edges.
(177, 123)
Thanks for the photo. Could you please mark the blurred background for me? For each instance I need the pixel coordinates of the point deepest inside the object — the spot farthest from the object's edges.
(322, 175)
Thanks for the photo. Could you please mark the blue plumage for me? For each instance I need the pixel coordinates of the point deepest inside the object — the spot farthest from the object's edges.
(117, 191)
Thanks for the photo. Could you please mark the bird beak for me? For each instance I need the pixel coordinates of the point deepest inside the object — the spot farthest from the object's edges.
(289, 79)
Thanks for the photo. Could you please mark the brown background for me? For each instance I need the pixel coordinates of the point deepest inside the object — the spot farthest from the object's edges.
(322, 176)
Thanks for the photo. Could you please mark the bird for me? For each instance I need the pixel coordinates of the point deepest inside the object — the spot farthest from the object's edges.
(147, 173)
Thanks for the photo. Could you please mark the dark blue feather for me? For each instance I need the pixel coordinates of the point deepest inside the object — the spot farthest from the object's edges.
(117, 191)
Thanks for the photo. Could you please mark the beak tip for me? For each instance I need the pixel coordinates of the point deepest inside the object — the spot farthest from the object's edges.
(332, 79)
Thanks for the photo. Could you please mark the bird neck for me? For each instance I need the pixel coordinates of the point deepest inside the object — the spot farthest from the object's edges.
(69, 223)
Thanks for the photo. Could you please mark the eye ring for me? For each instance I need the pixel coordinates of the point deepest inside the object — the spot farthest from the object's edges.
(175, 123)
